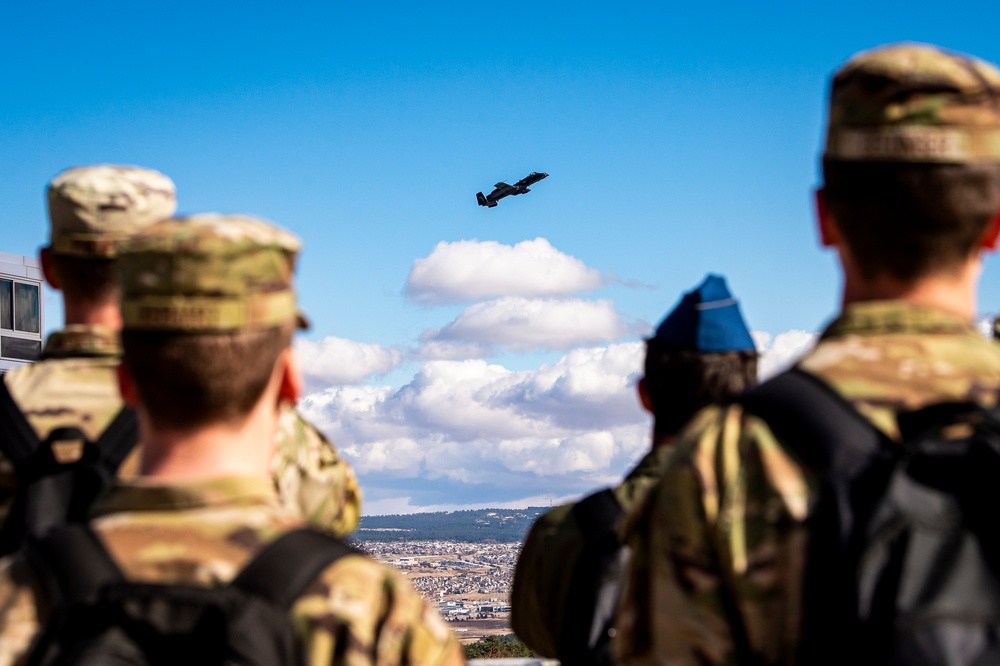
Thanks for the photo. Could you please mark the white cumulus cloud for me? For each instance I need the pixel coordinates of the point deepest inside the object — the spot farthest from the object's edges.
(522, 324)
(779, 352)
(335, 360)
(472, 422)
(450, 350)
(471, 270)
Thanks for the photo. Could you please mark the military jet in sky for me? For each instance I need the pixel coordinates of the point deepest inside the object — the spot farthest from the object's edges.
(504, 190)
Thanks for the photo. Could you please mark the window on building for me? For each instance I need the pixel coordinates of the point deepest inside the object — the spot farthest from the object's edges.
(26, 317)
(20, 312)
(19, 306)
(20, 349)
(6, 304)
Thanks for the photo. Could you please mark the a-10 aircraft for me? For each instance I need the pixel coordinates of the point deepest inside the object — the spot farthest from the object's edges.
(504, 190)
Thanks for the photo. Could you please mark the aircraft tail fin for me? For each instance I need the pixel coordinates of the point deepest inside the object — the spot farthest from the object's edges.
(481, 199)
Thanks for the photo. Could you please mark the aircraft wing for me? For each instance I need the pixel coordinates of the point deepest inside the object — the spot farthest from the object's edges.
(501, 185)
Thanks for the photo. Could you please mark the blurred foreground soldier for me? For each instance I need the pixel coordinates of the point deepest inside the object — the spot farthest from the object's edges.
(209, 312)
(845, 511)
(70, 396)
(567, 578)
(69, 399)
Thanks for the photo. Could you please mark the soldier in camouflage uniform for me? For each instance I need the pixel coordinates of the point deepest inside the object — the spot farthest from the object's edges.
(209, 311)
(910, 200)
(92, 210)
(701, 354)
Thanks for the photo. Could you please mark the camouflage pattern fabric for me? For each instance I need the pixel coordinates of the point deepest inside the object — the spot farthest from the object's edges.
(727, 519)
(311, 477)
(549, 555)
(75, 384)
(915, 103)
(209, 273)
(356, 612)
(92, 209)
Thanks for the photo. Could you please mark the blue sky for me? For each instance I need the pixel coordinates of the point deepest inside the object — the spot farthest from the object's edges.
(680, 140)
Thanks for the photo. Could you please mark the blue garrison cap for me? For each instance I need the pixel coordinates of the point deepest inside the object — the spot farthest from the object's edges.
(707, 319)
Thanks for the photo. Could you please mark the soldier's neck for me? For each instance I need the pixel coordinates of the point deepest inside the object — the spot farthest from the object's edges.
(93, 314)
(954, 291)
(213, 451)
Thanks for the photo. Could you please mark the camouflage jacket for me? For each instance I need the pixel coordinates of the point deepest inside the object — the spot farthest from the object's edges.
(75, 383)
(202, 533)
(547, 560)
(727, 518)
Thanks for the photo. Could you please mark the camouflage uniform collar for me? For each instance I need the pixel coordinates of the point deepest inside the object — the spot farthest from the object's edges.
(82, 340)
(882, 317)
(147, 495)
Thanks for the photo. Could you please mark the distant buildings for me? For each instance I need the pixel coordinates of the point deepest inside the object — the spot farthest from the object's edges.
(21, 311)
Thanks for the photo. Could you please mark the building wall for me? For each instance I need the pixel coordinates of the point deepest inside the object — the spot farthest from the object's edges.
(21, 310)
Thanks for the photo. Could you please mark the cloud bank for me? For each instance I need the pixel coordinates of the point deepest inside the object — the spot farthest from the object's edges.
(466, 271)
(334, 360)
(521, 324)
(479, 428)
(779, 352)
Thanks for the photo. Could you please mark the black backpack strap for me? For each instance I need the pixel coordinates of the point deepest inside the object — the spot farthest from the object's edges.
(20, 443)
(18, 440)
(72, 563)
(283, 569)
(597, 513)
(118, 439)
(95, 473)
(818, 425)
(50, 493)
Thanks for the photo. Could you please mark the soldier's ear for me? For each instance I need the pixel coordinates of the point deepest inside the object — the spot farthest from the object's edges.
(991, 238)
(130, 396)
(644, 395)
(291, 385)
(48, 267)
(829, 234)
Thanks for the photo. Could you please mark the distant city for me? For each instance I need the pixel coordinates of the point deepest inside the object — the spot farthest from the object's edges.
(461, 561)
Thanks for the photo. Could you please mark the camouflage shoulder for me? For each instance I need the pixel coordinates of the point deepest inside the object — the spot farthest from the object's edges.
(734, 453)
(727, 518)
(312, 478)
(371, 610)
(644, 476)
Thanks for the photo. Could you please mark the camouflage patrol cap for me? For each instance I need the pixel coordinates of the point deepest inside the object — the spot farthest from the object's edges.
(209, 273)
(92, 209)
(914, 103)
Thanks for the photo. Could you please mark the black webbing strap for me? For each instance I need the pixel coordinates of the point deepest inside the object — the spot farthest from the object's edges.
(18, 440)
(118, 439)
(50, 493)
(75, 565)
(814, 422)
(597, 513)
(282, 571)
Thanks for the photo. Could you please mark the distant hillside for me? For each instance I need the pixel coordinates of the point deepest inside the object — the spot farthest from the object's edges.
(501, 525)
